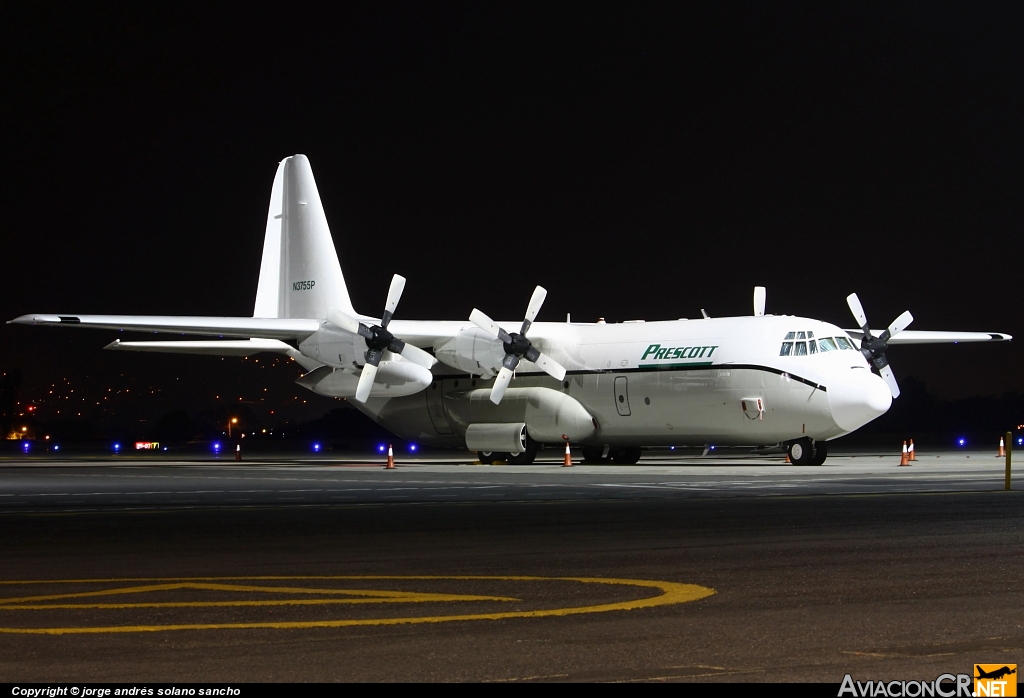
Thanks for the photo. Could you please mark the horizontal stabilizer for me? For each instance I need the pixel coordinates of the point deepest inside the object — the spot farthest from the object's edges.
(216, 347)
(272, 328)
(928, 337)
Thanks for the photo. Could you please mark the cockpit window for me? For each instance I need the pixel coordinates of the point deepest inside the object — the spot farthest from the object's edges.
(801, 348)
(787, 348)
(827, 344)
(812, 345)
(810, 335)
(791, 335)
(801, 335)
(844, 343)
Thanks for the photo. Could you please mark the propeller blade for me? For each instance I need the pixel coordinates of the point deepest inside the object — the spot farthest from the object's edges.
(343, 320)
(536, 301)
(858, 312)
(488, 325)
(900, 323)
(550, 366)
(418, 356)
(890, 380)
(366, 379)
(394, 295)
(500, 384)
(760, 294)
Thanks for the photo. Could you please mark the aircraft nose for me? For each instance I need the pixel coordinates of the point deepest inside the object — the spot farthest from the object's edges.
(859, 398)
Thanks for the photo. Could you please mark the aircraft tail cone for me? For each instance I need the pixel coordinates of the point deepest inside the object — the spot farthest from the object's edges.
(911, 456)
(391, 459)
(905, 458)
(238, 452)
(567, 463)
(1002, 449)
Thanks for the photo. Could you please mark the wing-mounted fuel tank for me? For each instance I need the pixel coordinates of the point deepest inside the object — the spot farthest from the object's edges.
(550, 416)
(472, 350)
(394, 378)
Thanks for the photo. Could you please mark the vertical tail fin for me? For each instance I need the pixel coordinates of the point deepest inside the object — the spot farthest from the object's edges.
(300, 276)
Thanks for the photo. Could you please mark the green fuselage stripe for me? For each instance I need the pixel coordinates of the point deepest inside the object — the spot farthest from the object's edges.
(688, 364)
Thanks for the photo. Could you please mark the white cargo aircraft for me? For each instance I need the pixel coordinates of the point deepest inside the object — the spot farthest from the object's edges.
(610, 388)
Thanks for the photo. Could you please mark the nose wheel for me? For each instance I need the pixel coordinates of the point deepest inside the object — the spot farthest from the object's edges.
(807, 452)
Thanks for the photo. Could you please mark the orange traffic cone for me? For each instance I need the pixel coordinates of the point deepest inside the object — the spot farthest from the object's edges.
(904, 458)
(910, 448)
(238, 452)
(1002, 449)
(391, 459)
(567, 463)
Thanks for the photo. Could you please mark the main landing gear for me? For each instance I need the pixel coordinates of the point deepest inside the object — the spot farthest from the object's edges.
(806, 452)
(524, 458)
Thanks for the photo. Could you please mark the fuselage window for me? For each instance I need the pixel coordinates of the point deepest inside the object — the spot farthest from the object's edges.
(812, 345)
(827, 344)
(801, 348)
(787, 348)
(844, 343)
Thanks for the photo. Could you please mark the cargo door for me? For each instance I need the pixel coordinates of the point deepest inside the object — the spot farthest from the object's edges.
(622, 395)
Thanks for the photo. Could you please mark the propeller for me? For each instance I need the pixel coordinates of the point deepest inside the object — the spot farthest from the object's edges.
(517, 346)
(759, 299)
(378, 339)
(873, 348)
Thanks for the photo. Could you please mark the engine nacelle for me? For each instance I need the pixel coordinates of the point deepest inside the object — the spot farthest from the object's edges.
(334, 348)
(472, 350)
(394, 379)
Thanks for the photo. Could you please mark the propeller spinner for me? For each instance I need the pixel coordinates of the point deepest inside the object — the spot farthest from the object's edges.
(517, 346)
(873, 348)
(378, 338)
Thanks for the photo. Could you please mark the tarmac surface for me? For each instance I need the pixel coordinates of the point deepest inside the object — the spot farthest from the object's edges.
(736, 568)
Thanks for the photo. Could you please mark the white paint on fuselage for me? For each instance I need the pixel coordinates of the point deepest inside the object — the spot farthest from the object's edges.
(690, 395)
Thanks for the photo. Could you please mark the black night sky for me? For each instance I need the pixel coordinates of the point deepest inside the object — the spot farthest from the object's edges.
(639, 163)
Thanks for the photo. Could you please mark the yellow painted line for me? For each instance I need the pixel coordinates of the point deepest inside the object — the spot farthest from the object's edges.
(672, 593)
(390, 595)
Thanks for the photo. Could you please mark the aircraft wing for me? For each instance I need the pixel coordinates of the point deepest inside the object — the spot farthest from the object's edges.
(214, 347)
(929, 337)
(269, 328)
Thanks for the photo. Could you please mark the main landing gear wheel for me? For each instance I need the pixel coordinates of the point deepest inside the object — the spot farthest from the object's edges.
(801, 451)
(490, 458)
(820, 453)
(625, 456)
(527, 456)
